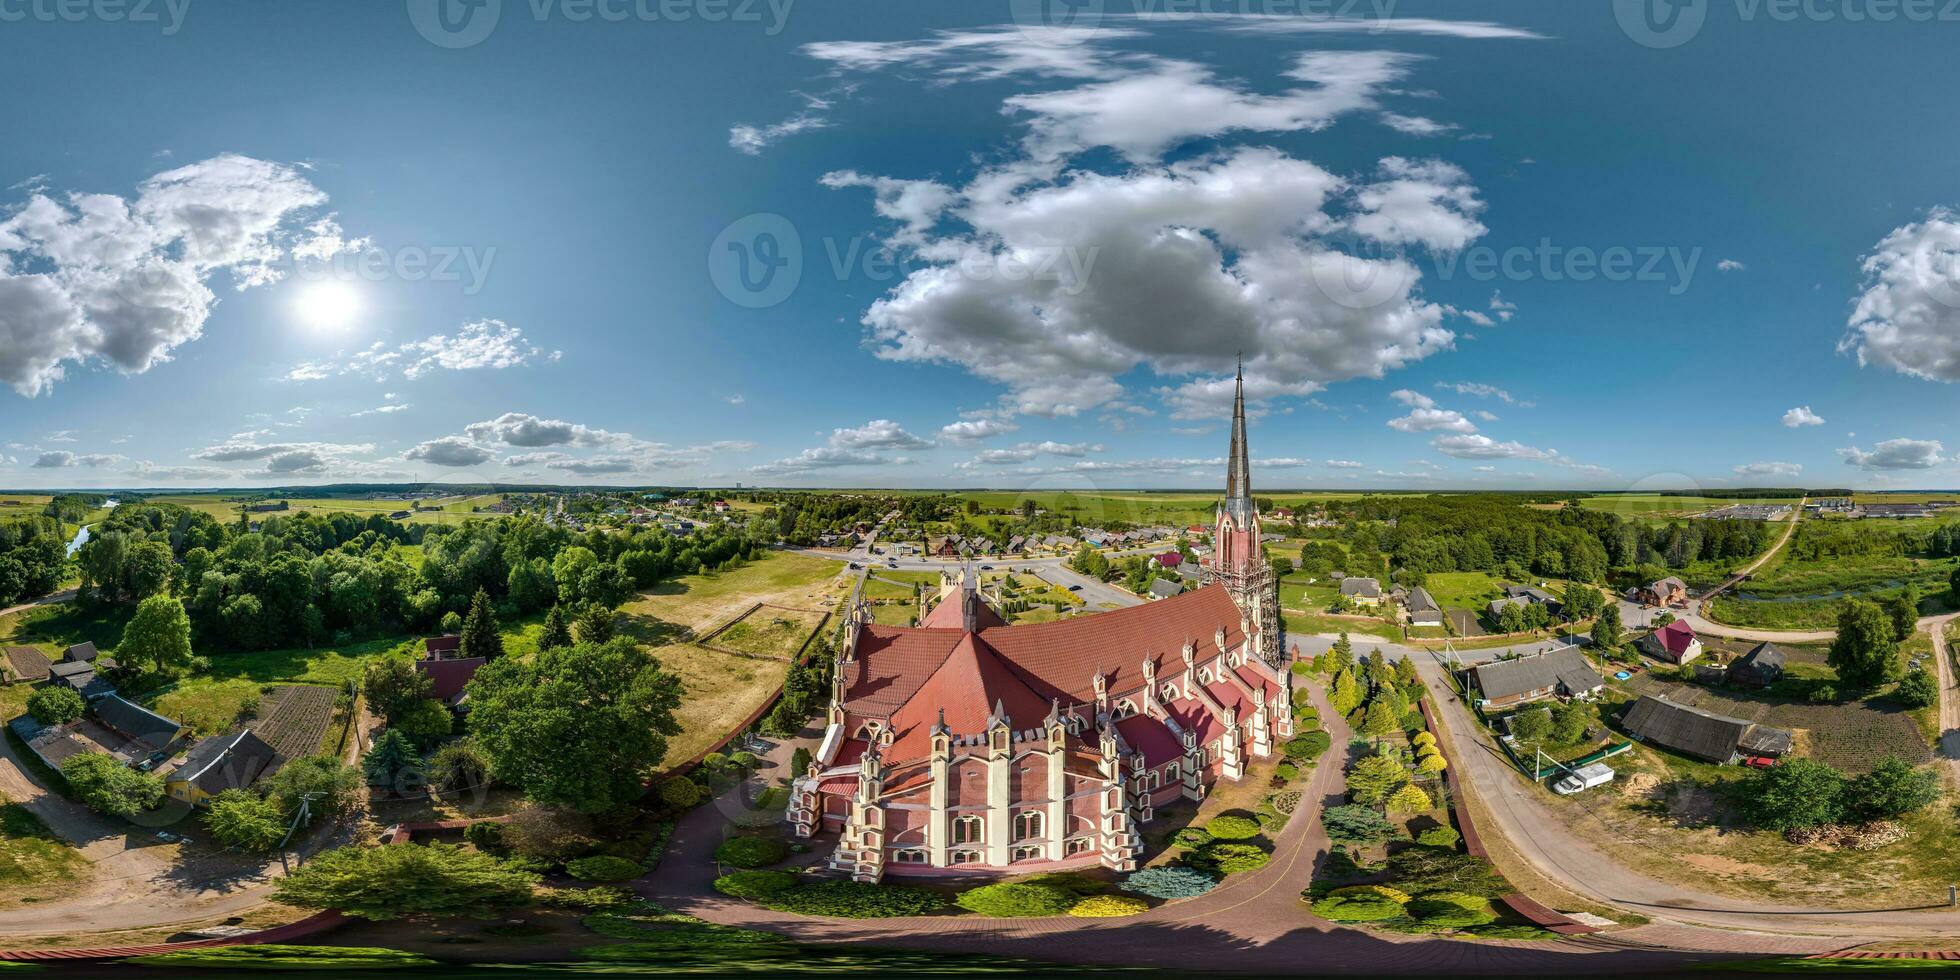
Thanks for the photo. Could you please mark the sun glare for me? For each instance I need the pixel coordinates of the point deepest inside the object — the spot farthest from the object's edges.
(328, 305)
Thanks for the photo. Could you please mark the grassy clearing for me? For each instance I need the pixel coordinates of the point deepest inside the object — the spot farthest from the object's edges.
(1659, 508)
(210, 707)
(1464, 590)
(769, 632)
(31, 857)
(723, 689)
(442, 510)
(893, 615)
(1297, 592)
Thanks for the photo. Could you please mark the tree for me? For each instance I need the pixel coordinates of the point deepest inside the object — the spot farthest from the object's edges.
(556, 633)
(1381, 720)
(334, 787)
(54, 705)
(1531, 725)
(1343, 650)
(1355, 825)
(1867, 645)
(1891, 790)
(392, 685)
(1346, 694)
(157, 640)
(459, 765)
(425, 721)
(238, 818)
(1282, 567)
(1953, 585)
(1795, 793)
(1606, 629)
(596, 625)
(1582, 602)
(1409, 799)
(392, 761)
(580, 726)
(481, 635)
(397, 880)
(107, 786)
(1917, 689)
(1090, 562)
(1903, 610)
(1374, 778)
(1570, 721)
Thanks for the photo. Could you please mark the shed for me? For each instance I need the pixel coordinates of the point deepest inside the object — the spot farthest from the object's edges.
(140, 725)
(1760, 667)
(1687, 730)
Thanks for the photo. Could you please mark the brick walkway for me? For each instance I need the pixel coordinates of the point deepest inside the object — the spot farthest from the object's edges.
(1253, 922)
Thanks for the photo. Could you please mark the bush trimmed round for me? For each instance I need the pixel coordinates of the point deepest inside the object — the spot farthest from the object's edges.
(1439, 837)
(1232, 827)
(1170, 881)
(855, 900)
(603, 867)
(1191, 837)
(680, 792)
(752, 852)
(485, 836)
(755, 885)
(1015, 900)
(1231, 859)
(1108, 907)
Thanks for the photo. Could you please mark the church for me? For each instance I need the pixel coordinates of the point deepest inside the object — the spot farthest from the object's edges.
(965, 744)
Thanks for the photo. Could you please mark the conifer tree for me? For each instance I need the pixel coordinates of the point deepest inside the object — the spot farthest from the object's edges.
(1381, 720)
(1346, 694)
(556, 633)
(392, 761)
(481, 635)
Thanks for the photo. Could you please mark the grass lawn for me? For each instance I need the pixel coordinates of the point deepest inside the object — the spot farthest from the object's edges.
(878, 587)
(1296, 592)
(893, 615)
(210, 707)
(31, 858)
(770, 632)
(723, 689)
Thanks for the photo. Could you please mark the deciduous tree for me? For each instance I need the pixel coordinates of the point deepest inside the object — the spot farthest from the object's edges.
(397, 880)
(157, 640)
(1867, 645)
(239, 818)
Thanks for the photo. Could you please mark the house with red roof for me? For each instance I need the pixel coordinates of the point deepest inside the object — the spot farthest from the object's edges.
(966, 744)
(1169, 559)
(1675, 643)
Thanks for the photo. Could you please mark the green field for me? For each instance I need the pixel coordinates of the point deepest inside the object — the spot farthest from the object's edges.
(442, 510)
(32, 858)
(1660, 508)
(1792, 593)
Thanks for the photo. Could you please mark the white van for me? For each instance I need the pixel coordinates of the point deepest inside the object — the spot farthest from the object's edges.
(1583, 778)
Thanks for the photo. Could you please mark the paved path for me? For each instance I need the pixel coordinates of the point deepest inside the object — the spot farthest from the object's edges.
(1253, 922)
(1949, 747)
(63, 596)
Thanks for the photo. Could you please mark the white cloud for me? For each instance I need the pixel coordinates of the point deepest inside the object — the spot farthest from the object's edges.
(1432, 420)
(531, 432)
(863, 445)
(995, 53)
(1769, 469)
(1730, 265)
(450, 451)
(1422, 202)
(1346, 464)
(1801, 416)
(60, 459)
(1897, 454)
(1908, 317)
(735, 399)
(388, 409)
(476, 346)
(915, 204)
(752, 140)
(1415, 125)
(1311, 24)
(1472, 446)
(65, 435)
(1498, 305)
(876, 434)
(102, 278)
(146, 470)
(1480, 390)
(1413, 399)
(968, 431)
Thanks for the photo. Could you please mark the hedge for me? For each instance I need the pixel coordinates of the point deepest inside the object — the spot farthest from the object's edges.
(1170, 882)
(1356, 909)
(752, 852)
(275, 956)
(1108, 907)
(855, 900)
(1230, 859)
(1232, 827)
(1439, 837)
(755, 885)
(1014, 900)
(603, 867)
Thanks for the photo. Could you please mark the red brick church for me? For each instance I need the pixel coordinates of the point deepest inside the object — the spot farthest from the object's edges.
(967, 743)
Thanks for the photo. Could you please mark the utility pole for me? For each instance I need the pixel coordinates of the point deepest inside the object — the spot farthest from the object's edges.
(305, 813)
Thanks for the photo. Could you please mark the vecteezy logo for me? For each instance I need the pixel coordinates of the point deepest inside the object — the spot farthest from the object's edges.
(1036, 16)
(757, 261)
(1660, 23)
(455, 23)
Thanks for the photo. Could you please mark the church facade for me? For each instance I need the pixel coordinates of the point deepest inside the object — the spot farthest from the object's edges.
(968, 744)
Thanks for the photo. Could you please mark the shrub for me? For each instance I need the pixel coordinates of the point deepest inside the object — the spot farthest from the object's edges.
(603, 867)
(1383, 892)
(1357, 909)
(1232, 827)
(54, 705)
(1439, 837)
(1451, 910)
(1169, 882)
(752, 852)
(680, 793)
(1462, 900)
(1433, 763)
(1108, 907)
(1797, 793)
(1302, 668)
(1287, 772)
(1917, 690)
(1424, 739)
(601, 899)
(1514, 932)
(1286, 802)
(1409, 799)
(1191, 837)
(1354, 824)
(1823, 694)
(1308, 746)
(1014, 900)
(755, 885)
(550, 834)
(855, 900)
(485, 836)
(1230, 859)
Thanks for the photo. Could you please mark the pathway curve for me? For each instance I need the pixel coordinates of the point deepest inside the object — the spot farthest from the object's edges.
(1949, 747)
(1253, 922)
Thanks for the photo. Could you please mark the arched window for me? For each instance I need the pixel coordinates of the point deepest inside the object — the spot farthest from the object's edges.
(1170, 692)
(1204, 676)
(1027, 824)
(1125, 708)
(910, 855)
(969, 830)
(1077, 845)
(1151, 781)
(1029, 853)
(1170, 772)
(964, 857)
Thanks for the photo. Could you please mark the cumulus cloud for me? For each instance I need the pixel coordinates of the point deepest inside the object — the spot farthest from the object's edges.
(1415, 125)
(876, 434)
(1897, 454)
(60, 459)
(530, 432)
(1769, 469)
(1030, 450)
(1729, 265)
(1346, 464)
(1419, 202)
(1908, 317)
(450, 451)
(99, 278)
(286, 458)
(1801, 416)
(1473, 446)
(968, 431)
(481, 345)
(864, 445)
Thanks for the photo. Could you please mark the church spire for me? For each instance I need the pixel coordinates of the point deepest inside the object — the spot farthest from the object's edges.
(1238, 473)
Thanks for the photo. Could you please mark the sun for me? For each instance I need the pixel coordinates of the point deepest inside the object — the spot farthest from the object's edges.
(328, 305)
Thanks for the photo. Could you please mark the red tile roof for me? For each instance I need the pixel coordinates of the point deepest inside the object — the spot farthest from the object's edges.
(448, 677)
(1676, 636)
(436, 646)
(1061, 658)
(1170, 559)
(1149, 737)
(967, 686)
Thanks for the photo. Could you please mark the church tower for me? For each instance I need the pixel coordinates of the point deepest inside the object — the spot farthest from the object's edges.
(1237, 562)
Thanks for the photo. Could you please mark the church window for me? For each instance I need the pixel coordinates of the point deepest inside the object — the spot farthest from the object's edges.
(968, 830)
(1077, 845)
(1027, 824)
(964, 857)
(1028, 853)
(910, 855)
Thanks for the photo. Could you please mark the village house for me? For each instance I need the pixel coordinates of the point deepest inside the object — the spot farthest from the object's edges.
(145, 730)
(1562, 673)
(1669, 591)
(1675, 643)
(1760, 667)
(219, 763)
(971, 744)
(1422, 608)
(1362, 591)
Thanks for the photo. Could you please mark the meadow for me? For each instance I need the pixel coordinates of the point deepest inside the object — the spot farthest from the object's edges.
(1654, 508)
(442, 510)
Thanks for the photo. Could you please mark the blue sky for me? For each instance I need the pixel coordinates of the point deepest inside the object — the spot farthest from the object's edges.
(1504, 245)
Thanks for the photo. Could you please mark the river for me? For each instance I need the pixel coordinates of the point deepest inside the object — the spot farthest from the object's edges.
(81, 535)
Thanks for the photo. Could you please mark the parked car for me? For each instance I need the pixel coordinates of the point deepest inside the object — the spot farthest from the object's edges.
(986, 568)
(1075, 588)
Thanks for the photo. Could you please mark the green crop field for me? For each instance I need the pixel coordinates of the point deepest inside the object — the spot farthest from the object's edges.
(441, 510)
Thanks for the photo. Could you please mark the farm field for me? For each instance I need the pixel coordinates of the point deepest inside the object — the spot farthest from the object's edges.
(722, 689)
(445, 510)
(1659, 509)
(1175, 509)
